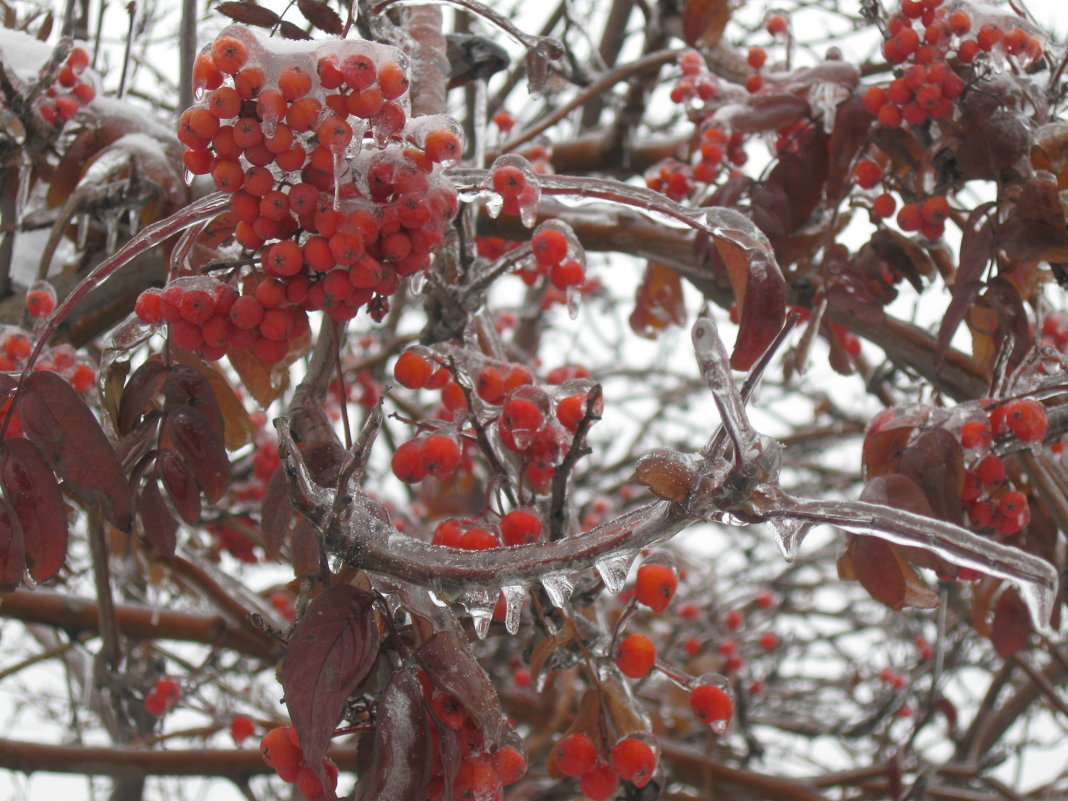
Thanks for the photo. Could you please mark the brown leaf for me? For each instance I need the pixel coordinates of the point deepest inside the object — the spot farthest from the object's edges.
(402, 751)
(277, 514)
(237, 424)
(976, 247)
(851, 133)
(1011, 627)
(451, 666)
(935, 461)
(57, 421)
(143, 386)
(769, 112)
(982, 592)
(760, 293)
(12, 549)
(290, 31)
(33, 492)
(1033, 240)
(321, 16)
(667, 473)
(304, 550)
(187, 385)
(545, 648)
(265, 383)
(703, 21)
(659, 301)
(249, 14)
(331, 651)
(993, 147)
(801, 173)
(157, 523)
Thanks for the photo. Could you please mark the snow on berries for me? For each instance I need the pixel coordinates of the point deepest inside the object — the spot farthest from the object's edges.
(336, 193)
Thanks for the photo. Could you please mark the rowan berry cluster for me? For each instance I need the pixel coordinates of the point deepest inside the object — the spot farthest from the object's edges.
(989, 496)
(928, 216)
(70, 90)
(535, 423)
(632, 758)
(336, 194)
(929, 38)
(163, 697)
(16, 345)
(696, 82)
(281, 750)
(558, 257)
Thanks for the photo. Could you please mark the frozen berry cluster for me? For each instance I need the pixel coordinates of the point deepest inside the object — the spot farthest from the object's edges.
(281, 750)
(336, 193)
(69, 92)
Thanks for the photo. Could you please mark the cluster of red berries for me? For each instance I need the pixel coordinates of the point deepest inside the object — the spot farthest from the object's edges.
(926, 34)
(928, 217)
(281, 750)
(988, 495)
(633, 758)
(677, 179)
(482, 772)
(756, 57)
(513, 178)
(16, 345)
(531, 422)
(558, 257)
(521, 526)
(231, 536)
(337, 221)
(696, 82)
(69, 92)
(163, 697)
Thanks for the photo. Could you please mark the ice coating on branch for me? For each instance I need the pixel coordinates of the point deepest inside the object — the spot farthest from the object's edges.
(788, 535)
(1035, 578)
(714, 363)
(514, 597)
(558, 586)
(614, 570)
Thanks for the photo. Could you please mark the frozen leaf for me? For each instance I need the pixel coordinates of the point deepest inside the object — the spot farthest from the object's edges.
(993, 147)
(31, 489)
(292, 32)
(186, 385)
(800, 173)
(401, 757)
(202, 448)
(977, 243)
(157, 522)
(703, 21)
(851, 133)
(668, 473)
(144, 384)
(539, 657)
(1011, 627)
(277, 512)
(902, 255)
(765, 112)
(249, 13)
(321, 16)
(935, 462)
(57, 420)
(304, 550)
(451, 666)
(180, 485)
(264, 382)
(331, 651)
(873, 565)
(237, 424)
(760, 293)
(12, 550)
(1033, 240)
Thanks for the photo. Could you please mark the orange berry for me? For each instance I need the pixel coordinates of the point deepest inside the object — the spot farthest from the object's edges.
(635, 655)
(655, 586)
(634, 760)
(392, 80)
(711, 704)
(229, 54)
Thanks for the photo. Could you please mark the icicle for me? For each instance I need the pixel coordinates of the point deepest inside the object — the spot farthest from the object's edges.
(133, 220)
(574, 302)
(514, 596)
(480, 122)
(558, 587)
(788, 536)
(416, 282)
(83, 231)
(22, 193)
(435, 599)
(494, 202)
(614, 569)
(111, 226)
(479, 604)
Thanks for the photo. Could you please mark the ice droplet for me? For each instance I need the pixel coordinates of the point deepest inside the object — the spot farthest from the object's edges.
(558, 587)
(494, 204)
(479, 604)
(514, 596)
(416, 282)
(788, 535)
(614, 570)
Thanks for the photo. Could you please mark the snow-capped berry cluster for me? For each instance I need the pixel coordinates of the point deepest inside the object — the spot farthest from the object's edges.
(336, 193)
(69, 92)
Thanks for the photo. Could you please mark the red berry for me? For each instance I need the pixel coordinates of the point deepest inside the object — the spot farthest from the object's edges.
(711, 704)
(655, 586)
(990, 470)
(229, 54)
(768, 640)
(241, 728)
(574, 755)
(776, 25)
(392, 80)
(549, 246)
(599, 783)
(509, 182)
(868, 174)
(884, 205)
(443, 146)
(412, 370)
(478, 539)
(975, 434)
(910, 218)
(490, 386)
(522, 414)
(520, 527)
(1026, 418)
(510, 764)
(756, 57)
(635, 655)
(407, 462)
(440, 455)
(634, 760)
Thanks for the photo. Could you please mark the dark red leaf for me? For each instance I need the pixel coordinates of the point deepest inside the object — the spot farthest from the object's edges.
(12, 549)
(186, 385)
(760, 293)
(851, 133)
(1013, 326)
(659, 301)
(769, 112)
(1011, 626)
(321, 16)
(276, 514)
(304, 551)
(452, 667)
(976, 245)
(33, 492)
(703, 21)
(180, 485)
(248, 13)
(993, 147)
(903, 256)
(401, 755)
(201, 446)
(57, 420)
(331, 651)
(290, 31)
(800, 173)
(157, 523)
(877, 570)
(898, 491)
(935, 462)
(140, 389)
